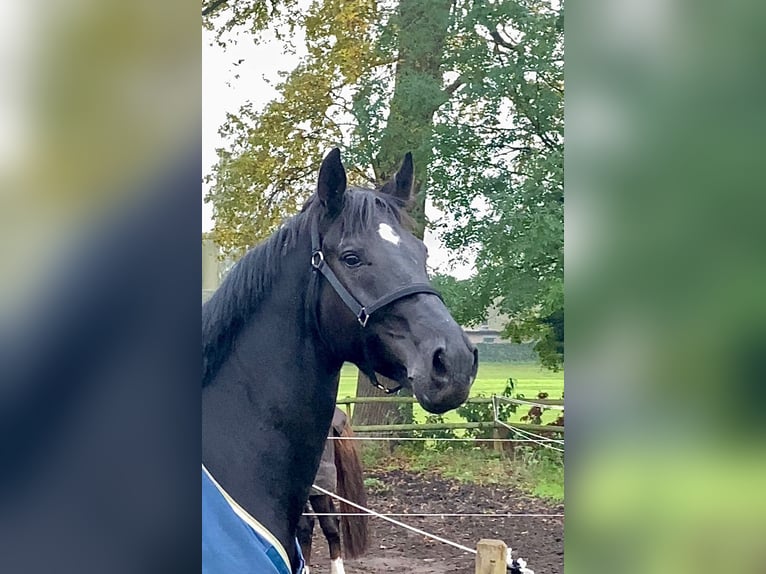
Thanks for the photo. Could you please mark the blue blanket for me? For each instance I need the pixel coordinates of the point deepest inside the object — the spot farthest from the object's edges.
(233, 541)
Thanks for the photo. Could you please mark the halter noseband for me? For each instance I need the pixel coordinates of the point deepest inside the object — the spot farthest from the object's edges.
(361, 312)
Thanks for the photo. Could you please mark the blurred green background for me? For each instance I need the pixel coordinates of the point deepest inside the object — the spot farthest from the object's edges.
(666, 319)
(529, 380)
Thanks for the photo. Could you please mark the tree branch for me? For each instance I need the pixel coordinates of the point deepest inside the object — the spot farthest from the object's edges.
(212, 7)
(449, 90)
(556, 89)
(362, 174)
(521, 105)
(500, 41)
(386, 62)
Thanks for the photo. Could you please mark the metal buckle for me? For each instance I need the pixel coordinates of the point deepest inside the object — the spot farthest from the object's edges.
(386, 389)
(376, 383)
(363, 317)
(317, 259)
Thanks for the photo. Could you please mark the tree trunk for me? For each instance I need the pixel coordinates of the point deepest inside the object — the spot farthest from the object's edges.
(380, 413)
(422, 30)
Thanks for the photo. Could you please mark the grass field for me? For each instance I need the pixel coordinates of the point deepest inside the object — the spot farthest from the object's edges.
(530, 379)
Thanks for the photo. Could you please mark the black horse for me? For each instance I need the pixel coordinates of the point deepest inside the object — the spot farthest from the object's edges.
(344, 280)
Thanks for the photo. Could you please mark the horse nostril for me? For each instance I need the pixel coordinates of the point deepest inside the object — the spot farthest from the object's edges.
(439, 363)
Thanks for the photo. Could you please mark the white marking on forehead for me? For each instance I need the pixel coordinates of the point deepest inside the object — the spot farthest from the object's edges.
(387, 233)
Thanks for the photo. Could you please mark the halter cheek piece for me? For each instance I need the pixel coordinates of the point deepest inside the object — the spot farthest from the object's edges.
(361, 312)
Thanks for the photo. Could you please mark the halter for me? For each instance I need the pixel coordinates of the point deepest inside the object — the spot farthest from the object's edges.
(361, 312)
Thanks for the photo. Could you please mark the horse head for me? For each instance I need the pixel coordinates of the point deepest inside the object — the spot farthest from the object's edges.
(376, 308)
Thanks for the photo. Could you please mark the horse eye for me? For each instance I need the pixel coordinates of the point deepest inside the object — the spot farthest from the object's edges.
(351, 260)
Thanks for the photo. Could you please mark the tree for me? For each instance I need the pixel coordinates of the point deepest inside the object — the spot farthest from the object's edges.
(474, 90)
(502, 180)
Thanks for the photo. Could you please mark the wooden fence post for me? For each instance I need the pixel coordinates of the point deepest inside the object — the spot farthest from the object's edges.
(497, 434)
(491, 557)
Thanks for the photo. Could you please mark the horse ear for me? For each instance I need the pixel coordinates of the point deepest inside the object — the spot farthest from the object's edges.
(401, 185)
(332, 182)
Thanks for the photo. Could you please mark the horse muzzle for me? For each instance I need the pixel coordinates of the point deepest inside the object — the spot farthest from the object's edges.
(443, 383)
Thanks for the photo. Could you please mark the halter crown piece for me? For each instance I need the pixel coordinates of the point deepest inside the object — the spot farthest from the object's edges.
(361, 312)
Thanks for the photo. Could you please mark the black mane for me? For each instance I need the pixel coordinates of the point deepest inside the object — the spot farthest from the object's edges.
(250, 280)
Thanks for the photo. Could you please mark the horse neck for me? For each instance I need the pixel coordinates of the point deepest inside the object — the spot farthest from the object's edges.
(266, 414)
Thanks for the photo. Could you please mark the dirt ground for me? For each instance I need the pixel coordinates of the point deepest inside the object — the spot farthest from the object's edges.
(540, 541)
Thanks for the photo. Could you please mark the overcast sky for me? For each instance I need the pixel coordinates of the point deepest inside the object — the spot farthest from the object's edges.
(222, 93)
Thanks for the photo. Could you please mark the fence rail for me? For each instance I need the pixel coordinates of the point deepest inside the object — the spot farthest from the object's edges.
(455, 426)
(403, 400)
(463, 425)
